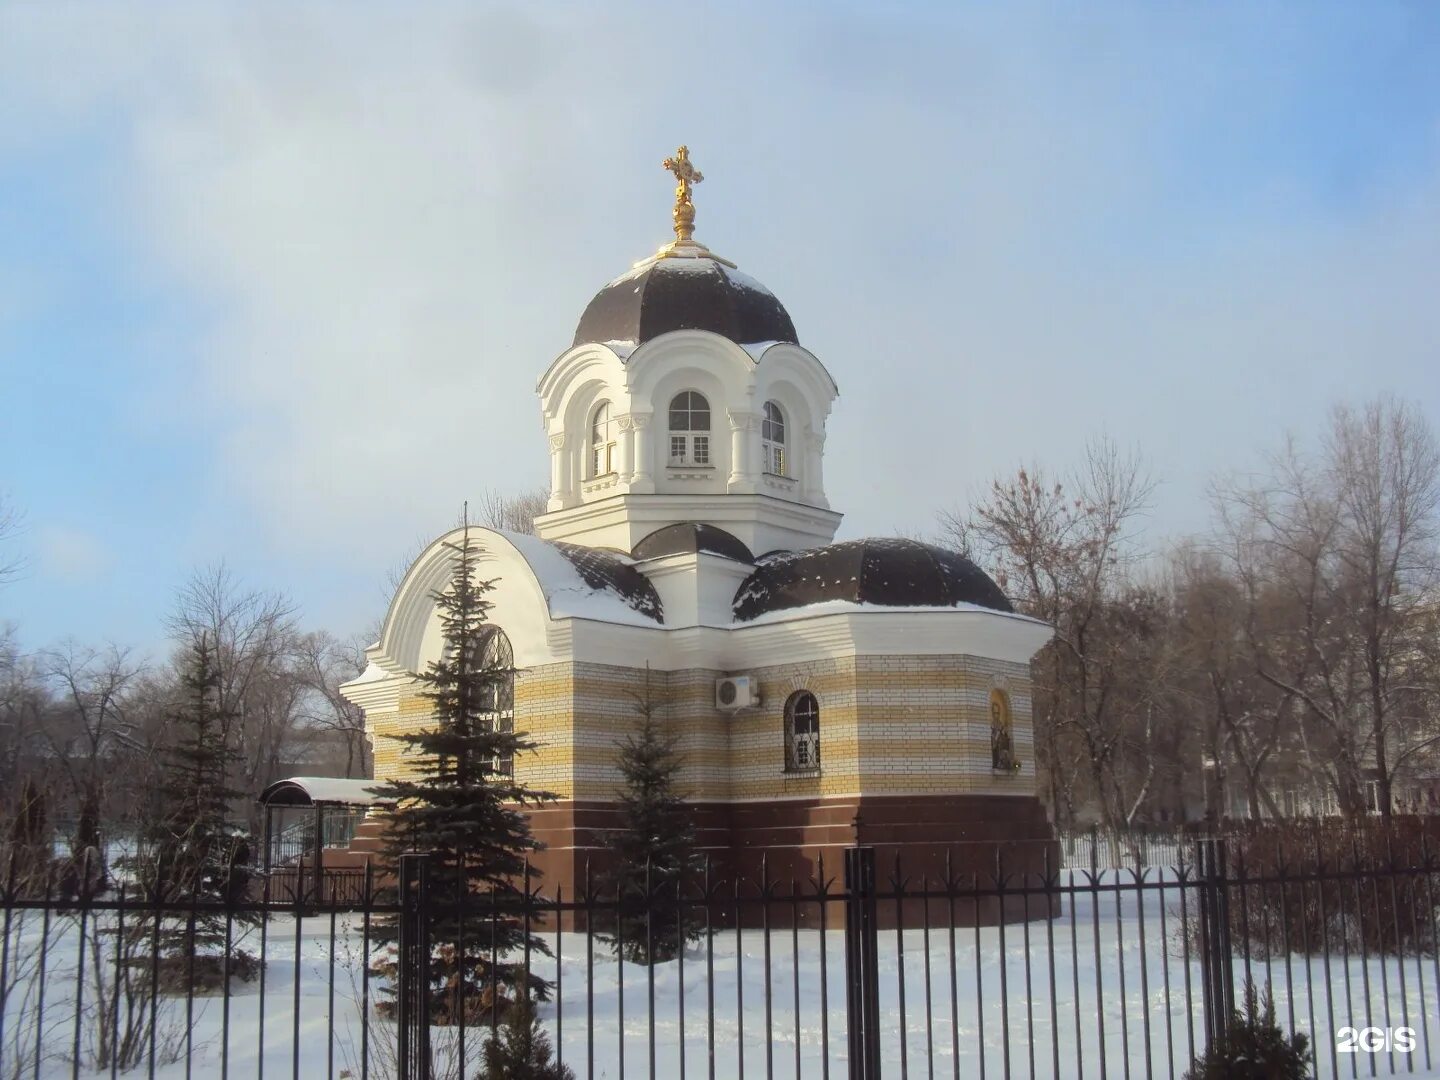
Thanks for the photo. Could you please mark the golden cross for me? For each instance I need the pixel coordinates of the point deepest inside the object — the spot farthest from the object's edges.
(685, 176)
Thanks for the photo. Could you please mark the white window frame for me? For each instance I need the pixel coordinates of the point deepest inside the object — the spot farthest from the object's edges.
(772, 440)
(689, 444)
(602, 441)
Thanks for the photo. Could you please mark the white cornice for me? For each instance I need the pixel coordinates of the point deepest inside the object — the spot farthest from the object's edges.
(871, 632)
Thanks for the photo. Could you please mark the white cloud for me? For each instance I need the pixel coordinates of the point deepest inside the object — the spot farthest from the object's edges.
(394, 217)
(71, 556)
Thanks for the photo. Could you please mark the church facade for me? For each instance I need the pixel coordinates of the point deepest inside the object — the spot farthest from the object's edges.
(822, 694)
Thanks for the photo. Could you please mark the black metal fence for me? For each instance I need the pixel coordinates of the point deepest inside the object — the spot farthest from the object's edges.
(859, 970)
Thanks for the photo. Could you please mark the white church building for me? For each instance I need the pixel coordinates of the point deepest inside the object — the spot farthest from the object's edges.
(821, 693)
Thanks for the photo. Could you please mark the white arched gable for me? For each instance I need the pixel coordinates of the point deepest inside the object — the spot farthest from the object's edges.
(575, 370)
(663, 361)
(786, 362)
(410, 636)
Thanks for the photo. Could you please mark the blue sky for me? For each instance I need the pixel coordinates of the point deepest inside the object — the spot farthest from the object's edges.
(276, 281)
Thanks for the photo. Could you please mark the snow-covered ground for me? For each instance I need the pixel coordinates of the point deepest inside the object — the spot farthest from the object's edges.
(1106, 987)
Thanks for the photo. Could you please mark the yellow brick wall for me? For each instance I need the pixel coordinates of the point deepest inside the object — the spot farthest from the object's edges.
(888, 725)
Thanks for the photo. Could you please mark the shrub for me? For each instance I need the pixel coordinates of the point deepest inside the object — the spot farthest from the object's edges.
(1254, 1047)
(520, 1050)
(1304, 887)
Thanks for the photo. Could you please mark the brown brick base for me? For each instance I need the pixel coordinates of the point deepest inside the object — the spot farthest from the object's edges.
(969, 838)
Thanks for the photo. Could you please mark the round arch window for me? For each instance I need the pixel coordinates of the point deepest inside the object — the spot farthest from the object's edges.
(602, 441)
(494, 659)
(802, 732)
(772, 439)
(689, 429)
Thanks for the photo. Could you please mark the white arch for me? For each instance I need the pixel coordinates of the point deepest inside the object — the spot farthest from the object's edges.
(409, 636)
(586, 364)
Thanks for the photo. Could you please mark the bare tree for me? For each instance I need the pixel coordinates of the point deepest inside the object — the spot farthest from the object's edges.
(10, 521)
(23, 702)
(513, 513)
(1236, 717)
(87, 729)
(254, 636)
(325, 662)
(1343, 547)
(1064, 552)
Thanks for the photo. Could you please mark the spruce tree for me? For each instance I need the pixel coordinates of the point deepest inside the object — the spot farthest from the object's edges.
(653, 850)
(461, 804)
(520, 1049)
(190, 851)
(1254, 1046)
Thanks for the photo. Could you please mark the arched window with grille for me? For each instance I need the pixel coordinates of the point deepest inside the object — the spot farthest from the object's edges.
(689, 429)
(772, 439)
(602, 441)
(495, 660)
(802, 732)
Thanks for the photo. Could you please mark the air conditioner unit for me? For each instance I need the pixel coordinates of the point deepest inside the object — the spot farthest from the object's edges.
(737, 692)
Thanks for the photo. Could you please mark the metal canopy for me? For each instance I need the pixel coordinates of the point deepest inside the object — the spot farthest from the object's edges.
(323, 791)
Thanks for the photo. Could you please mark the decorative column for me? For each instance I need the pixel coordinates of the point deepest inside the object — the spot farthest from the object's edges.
(559, 480)
(626, 465)
(641, 482)
(813, 490)
(744, 472)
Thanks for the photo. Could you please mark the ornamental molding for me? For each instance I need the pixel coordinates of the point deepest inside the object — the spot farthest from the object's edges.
(744, 421)
(557, 442)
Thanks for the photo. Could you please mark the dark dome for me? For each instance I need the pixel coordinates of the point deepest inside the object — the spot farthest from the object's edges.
(885, 572)
(685, 294)
(690, 536)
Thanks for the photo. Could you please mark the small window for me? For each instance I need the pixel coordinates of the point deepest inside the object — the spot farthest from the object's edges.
(602, 441)
(802, 733)
(689, 429)
(1002, 744)
(772, 439)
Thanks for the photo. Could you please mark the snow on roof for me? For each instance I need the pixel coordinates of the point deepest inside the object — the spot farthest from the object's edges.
(372, 673)
(745, 281)
(315, 790)
(756, 349)
(851, 607)
(583, 583)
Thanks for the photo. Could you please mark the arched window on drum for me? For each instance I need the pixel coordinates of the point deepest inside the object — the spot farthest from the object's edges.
(772, 440)
(690, 429)
(602, 441)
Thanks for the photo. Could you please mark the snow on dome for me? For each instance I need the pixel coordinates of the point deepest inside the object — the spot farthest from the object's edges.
(659, 295)
(889, 572)
(586, 583)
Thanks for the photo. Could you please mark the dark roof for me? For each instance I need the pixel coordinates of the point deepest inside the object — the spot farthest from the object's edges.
(883, 572)
(688, 536)
(685, 294)
(324, 791)
(612, 573)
